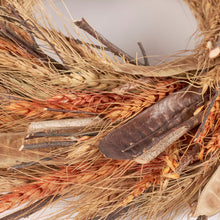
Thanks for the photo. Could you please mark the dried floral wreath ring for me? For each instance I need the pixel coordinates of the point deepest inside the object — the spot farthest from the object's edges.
(119, 138)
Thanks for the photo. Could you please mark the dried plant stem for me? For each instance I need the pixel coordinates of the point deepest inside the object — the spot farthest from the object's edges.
(60, 133)
(202, 126)
(109, 105)
(56, 182)
(28, 164)
(47, 145)
(146, 62)
(79, 87)
(83, 24)
(51, 45)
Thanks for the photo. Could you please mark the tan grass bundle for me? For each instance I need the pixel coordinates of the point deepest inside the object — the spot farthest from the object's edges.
(119, 138)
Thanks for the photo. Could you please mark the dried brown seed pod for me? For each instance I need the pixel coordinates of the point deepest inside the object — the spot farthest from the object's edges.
(152, 131)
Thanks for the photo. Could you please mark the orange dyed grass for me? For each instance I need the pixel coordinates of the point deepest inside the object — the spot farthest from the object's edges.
(102, 173)
(111, 105)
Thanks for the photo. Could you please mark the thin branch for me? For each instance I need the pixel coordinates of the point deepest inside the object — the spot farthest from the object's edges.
(28, 164)
(54, 134)
(6, 97)
(201, 128)
(146, 62)
(83, 24)
(47, 145)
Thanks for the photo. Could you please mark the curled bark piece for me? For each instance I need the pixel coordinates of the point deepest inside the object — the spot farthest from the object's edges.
(209, 200)
(158, 123)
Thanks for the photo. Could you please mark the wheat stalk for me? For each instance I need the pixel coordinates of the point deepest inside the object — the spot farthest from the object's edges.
(81, 104)
(86, 81)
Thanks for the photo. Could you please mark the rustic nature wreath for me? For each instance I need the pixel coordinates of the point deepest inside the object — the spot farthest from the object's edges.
(120, 138)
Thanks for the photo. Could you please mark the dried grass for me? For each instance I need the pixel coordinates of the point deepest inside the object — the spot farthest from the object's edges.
(81, 77)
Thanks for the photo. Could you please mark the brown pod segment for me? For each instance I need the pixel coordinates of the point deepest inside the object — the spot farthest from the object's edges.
(146, 130)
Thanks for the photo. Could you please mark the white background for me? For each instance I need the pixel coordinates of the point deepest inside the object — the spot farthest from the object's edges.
(164, 28)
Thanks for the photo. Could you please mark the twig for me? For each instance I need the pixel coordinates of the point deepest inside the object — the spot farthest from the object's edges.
(47, 145)
(28, 164)
(146, 62)
(83, 24)
(53, 134)
(23, 213)
(207, 114)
